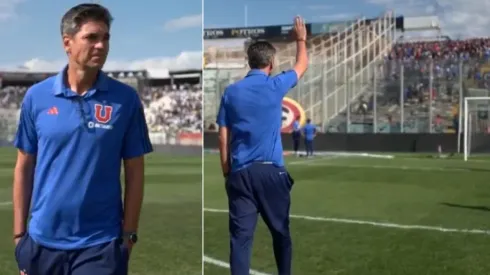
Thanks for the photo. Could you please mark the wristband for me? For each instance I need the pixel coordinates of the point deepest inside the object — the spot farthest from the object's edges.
(20, 235)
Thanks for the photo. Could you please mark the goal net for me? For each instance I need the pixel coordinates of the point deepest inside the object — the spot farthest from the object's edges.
(476, 125)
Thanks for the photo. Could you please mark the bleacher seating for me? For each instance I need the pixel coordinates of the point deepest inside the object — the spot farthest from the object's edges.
(446, 65)
(365, 66)
(168, 109)
(172, 109)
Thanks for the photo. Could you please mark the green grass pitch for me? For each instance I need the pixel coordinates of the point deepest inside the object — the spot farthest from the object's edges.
(370, 216)
(170, 236)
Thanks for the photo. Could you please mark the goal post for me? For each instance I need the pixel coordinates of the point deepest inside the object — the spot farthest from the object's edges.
(476, 121)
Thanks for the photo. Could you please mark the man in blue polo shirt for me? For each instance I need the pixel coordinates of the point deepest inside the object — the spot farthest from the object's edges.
(309, 134)
(75, 129)
(296, 134)
(250, 120)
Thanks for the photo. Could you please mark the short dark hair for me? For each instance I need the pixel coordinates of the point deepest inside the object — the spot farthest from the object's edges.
(74, 18)
(260, 54)
(308, 120)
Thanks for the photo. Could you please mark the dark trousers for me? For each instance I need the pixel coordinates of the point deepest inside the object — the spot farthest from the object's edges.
(106, 259)
(296, 138)
(309, 147)
(265, 189)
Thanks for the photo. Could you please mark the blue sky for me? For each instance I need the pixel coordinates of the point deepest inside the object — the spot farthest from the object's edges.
(154, 35)
(278, 12)
(162, 34)
(457, 17)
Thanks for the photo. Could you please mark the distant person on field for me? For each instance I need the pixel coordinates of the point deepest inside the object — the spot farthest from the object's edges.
(296, 133)
(309, 134)
(75, 130)
(250, 120)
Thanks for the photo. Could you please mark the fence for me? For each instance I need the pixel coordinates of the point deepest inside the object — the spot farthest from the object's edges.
(396, 96)
(9, 120)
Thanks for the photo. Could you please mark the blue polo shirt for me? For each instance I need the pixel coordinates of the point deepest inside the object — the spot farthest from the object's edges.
(309, 131)
(296, 126)
(79, 142)
(252, 110)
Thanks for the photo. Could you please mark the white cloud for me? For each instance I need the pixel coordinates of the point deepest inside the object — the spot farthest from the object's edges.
(430, 9)
(185, 22)
(8, 9)
(156, 67)
(335, 17)
(467, 18)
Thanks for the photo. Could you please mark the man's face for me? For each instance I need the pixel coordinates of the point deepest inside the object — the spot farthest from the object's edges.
(90, 46)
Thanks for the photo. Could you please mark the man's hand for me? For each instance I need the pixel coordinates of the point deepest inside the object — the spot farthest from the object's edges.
(128, 245)
(16, 241)
(299, 29)
(299, 34)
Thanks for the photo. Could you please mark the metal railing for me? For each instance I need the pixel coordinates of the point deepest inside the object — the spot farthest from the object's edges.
(401, 96)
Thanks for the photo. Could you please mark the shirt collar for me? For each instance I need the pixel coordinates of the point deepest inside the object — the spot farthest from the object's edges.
(256, 72)
(59, 87)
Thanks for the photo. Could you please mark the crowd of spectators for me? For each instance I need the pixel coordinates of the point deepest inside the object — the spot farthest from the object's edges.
(168, 109)
(450, 62)
(173, 109)
(11, 97)
(443, 49)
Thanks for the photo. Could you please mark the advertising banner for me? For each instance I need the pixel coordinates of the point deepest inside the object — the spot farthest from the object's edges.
(290, 111)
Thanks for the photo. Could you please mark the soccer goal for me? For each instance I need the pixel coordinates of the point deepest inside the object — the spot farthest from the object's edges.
(476, 122)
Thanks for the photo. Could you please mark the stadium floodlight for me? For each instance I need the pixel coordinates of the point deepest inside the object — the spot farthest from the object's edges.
(476, 120)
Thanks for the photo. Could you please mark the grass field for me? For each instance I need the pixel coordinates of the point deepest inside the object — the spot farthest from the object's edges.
(170, 229)
(370, 216)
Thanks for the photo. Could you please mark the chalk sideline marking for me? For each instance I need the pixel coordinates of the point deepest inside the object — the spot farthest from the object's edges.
(378, 224)
(222, 264)
(413, 168)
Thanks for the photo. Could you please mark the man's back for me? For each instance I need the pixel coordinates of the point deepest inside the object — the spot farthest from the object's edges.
(250, 146)
(309, 131)
(252, 110)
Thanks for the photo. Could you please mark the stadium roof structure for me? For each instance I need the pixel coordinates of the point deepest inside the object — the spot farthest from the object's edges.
(128, 74)
(283, 31)
(159, 74)
(185, 73)
(38, 76)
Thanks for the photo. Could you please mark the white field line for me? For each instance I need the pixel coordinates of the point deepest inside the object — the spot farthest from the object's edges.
(402, 167)
(5, 203)
(341, 155)
(222, 264)
(307, 161)
(378, 224)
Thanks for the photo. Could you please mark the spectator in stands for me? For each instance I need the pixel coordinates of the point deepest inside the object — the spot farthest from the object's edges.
(174, 109)
(168, 109)
(431, 73)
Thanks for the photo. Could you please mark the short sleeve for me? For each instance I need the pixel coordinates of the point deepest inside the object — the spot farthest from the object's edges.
(26, 136)
(136, 139)
(285, 81)
(221, 119)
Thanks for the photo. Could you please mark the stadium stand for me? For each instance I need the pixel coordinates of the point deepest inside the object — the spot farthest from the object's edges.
(172, 105)
(366, 77)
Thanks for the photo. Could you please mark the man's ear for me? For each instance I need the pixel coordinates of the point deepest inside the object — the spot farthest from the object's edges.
(67, 43)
